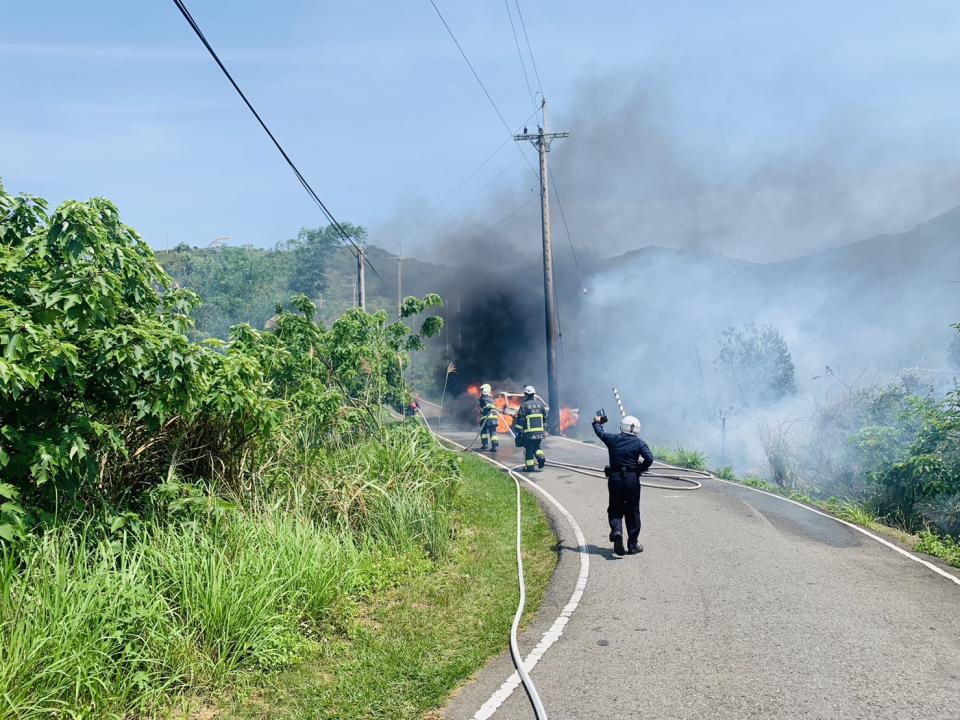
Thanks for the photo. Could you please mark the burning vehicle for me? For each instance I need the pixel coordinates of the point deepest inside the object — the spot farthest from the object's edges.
(508, 402)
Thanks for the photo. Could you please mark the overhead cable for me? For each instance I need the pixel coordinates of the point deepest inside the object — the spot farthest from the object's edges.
(523, 65)
(483, 87)
(296, 171)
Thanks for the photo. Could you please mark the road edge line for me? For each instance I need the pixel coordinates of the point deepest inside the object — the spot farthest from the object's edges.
(906, 553)
(553, 633)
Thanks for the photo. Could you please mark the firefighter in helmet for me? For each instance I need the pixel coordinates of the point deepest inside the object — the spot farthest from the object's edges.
(529, 427)
(488, 419)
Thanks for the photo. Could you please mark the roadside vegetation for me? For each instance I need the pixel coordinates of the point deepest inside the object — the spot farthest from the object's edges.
(884, 456)
(178, 516)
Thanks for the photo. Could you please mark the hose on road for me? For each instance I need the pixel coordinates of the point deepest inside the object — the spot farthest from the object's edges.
(691, 477)
(538, 709)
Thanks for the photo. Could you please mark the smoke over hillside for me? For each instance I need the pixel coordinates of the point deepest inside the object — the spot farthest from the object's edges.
(681, 205)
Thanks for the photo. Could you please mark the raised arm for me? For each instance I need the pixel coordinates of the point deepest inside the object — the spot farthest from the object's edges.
(598, 430)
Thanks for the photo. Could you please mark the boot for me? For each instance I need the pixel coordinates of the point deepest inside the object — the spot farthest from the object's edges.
(618, 544)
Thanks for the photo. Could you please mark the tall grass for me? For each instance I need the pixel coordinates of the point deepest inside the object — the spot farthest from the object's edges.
(682, 457)
(93, 624)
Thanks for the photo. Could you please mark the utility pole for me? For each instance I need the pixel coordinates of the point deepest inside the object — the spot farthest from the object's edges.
(542, 141)
(361, 298)
(400, 279)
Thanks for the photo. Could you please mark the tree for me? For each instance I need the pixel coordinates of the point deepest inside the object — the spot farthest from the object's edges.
(95, 361)
(758, 363)
(953, 352)
(311, 253)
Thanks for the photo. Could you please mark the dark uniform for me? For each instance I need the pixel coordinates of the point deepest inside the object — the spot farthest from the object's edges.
(488, 423)
(623, 482)
(529, 424)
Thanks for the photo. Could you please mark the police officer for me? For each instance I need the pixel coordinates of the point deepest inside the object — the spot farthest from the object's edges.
(630, 457)
(488, 419)
(529, 426)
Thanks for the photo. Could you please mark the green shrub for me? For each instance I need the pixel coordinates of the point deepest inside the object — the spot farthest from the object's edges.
(725, 473)
(941, 547)
(96, 372)
(853, 512)
(690, 459)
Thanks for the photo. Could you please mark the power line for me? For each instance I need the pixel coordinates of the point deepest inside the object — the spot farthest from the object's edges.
(529, 49)
(576, 262)
(566, 229)
(296, 171)
(472, 174)
(523, 65)
(479, 81)
(480, 189)
(507, 216)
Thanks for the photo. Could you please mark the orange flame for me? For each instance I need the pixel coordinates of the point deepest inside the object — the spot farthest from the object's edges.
(568, 418)
(473, 391)
(505, 421)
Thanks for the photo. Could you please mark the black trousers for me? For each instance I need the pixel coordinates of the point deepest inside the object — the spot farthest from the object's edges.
(624, 504)
(532, 454)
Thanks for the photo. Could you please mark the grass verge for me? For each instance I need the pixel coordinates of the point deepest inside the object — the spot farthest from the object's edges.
(402, 650)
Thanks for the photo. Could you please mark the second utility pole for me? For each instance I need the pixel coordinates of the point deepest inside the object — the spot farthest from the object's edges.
(361, 284)
(542, 140)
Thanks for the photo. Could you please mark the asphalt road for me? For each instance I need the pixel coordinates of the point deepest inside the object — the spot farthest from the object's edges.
(741, 606)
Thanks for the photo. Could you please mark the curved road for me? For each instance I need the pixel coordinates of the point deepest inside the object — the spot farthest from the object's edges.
(742, 606)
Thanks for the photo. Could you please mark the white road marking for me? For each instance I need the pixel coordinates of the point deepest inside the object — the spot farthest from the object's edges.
(892, 546)
(554, 632)
(556, 629)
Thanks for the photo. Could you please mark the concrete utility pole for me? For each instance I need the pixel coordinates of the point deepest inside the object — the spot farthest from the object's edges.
(400, 279)
(361, 286)
(541, 141)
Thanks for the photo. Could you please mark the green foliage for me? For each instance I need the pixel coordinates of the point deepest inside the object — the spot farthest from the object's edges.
(682, 457)
(237, 285)
(102, 393)
(94, 360)
(217, 503)
(311, 252)
(941, 547)
(247, 284)
(953, 351)
(914, 464)
(725, 473)
(758, 363)
(98, 622)
(853, 512)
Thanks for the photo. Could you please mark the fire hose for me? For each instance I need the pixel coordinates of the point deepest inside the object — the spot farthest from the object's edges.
(659, 470)
(679, 474)
(538, 708)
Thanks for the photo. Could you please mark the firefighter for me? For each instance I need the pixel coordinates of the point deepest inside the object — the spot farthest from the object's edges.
(529, 427)
(489, 420)
(630, 457)
(488, 430)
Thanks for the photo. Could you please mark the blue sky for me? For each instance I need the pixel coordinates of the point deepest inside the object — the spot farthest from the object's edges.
(378, 109)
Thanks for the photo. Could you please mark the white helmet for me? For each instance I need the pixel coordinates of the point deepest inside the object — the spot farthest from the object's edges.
(630, 425)
(486, 389)
(529, 390)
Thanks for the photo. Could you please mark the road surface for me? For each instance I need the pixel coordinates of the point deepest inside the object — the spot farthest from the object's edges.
(742, 606)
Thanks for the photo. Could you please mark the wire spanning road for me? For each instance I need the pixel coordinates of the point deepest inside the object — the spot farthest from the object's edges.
(742, 606)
